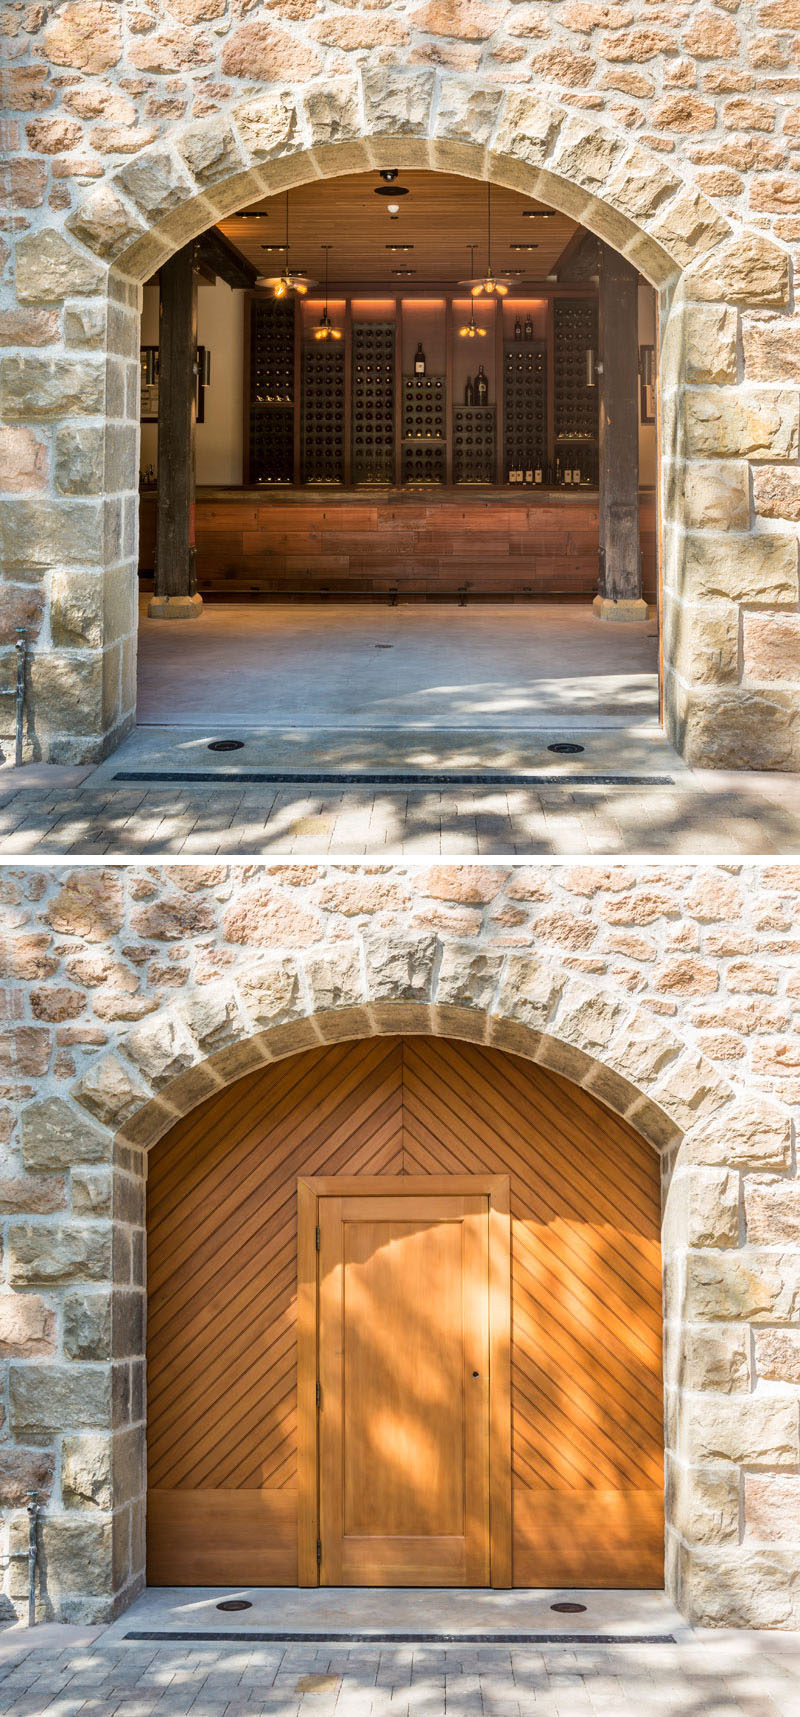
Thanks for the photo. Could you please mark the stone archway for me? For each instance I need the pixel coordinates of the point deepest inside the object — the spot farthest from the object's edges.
(161, 1068)
(730, 588)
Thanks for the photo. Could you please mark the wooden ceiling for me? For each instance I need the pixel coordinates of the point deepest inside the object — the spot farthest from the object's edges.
(441, 216)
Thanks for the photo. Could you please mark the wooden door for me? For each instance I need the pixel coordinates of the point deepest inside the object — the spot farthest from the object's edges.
(404, 1391)
(228, 1426)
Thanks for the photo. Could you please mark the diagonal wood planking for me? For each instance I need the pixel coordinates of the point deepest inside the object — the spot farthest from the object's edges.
(586, 1286)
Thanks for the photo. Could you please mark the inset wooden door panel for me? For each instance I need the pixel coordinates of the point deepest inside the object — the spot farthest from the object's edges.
(403, 1342)
(228, 1295)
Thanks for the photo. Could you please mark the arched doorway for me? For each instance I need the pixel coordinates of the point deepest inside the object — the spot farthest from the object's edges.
(583, 1422)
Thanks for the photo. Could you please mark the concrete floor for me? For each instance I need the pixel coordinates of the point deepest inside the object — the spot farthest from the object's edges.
(379, 1612)
(423, 665)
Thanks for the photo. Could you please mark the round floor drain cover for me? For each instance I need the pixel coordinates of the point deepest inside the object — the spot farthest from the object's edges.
(564, 747)
(235, 1604)
(226, 745)
(563, 1609)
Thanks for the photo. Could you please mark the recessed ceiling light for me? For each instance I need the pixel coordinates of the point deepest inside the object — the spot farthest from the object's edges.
(538, 214)
(523, 247)
(404, 271)
(249, 215)
(399, 247)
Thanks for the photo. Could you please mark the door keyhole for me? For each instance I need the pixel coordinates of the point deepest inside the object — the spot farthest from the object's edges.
(476, 1374)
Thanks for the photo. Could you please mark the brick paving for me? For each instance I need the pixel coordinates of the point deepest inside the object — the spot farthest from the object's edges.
(708, 1675)
(703, 816)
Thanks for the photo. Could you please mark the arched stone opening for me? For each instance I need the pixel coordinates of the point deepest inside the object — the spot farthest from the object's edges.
(727, 577)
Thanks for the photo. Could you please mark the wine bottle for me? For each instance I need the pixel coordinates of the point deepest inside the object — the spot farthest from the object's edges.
(558, 473)
(481, 387)
(528, 327)
(419, 361)
(469, 394)
(518, 329)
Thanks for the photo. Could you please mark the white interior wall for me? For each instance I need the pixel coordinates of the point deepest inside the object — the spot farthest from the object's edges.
(220, 328)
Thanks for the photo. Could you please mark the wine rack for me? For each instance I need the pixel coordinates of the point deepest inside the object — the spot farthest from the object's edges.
(473, 444)
(575, 403)
(271, 445)
(424, 429)
(524, 407)
(271, 449)
(372, 443)
(323, 414)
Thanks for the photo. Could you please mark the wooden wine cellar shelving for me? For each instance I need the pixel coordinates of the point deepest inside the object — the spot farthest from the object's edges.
(352, 413)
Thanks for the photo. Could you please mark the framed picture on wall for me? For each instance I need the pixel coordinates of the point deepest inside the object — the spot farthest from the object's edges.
(647, 380)
(148, 396)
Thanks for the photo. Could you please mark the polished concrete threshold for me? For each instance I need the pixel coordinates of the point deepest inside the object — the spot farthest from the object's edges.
(399, 1615)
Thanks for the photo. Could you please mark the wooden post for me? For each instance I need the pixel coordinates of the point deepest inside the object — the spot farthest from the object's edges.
(620, 587)
(176, 596)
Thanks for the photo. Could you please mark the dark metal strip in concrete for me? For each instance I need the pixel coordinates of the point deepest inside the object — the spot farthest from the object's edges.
(278, 778)
(259, 1637)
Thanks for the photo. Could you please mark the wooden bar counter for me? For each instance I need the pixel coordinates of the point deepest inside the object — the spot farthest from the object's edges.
(427, 543)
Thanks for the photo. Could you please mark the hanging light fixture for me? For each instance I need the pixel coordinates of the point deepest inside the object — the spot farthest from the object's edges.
(325, 329)
(470, 330)
(290, 281)
(489, 284)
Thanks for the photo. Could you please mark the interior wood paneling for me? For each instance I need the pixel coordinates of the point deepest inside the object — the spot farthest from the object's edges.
(587, 1435)
(252, 546)
(441, 217)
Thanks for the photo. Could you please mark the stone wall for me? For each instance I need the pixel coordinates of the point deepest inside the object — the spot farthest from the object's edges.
(672, 135)
(673, 995)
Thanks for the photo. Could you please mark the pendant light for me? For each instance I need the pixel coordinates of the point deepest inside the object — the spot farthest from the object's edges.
(325, 329)
(489, 284)
(470, 330)
(290, 281)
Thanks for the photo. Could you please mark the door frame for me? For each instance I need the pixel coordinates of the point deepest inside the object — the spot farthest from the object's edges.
(495, 1188)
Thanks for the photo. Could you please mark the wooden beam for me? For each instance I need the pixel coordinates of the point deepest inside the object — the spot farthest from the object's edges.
(217, 255)
(620, 559)
(175, 594)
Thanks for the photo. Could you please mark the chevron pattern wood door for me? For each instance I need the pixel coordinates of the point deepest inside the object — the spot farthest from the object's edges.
(587, 1438)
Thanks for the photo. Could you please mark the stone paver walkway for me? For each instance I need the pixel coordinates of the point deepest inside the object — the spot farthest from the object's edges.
(709, 1675)
(693, 817)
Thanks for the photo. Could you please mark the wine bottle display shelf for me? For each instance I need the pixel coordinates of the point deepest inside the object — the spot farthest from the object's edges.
(272, 445)
(524, 408)
(323, 414)
(576, 410)
(474, 444)
(373, 393)
(424, 428)
(271, 352)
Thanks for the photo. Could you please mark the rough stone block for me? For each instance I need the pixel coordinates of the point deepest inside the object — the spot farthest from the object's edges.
(45, 1398)
(771, 647)
(759, 1431)
(110, 1091)
(466, 113)
(776, 492)
(778, 1355)
(751, 1133)
(105, 222)
(529, 992)
(759, 568)
(91, 1191)
(87, 1326)
(772, 1507)
(772, 1211)
(332, 112)
(54, 1136)
(397, 101)
(27, 1327)
(714, 1356)
(80, 459)
(268, 125)
(467, 977)
(156, 182)
(211, 150)
(711, 337)
(86, 1471)
(35, 386)
(713, 1207)
(771, 349)
(48, 268)
(762, 1287)
(739, 1590)
(749, 270)
(703, 1503)
(270, 991)
(23, 1470)
(716, 495)
(701, 641)
(334, 978)
(741, 730)
(399, 968)
(528, 128)
(53, 1252)
(77, 1555)
(212, 1016)
(742, 422)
